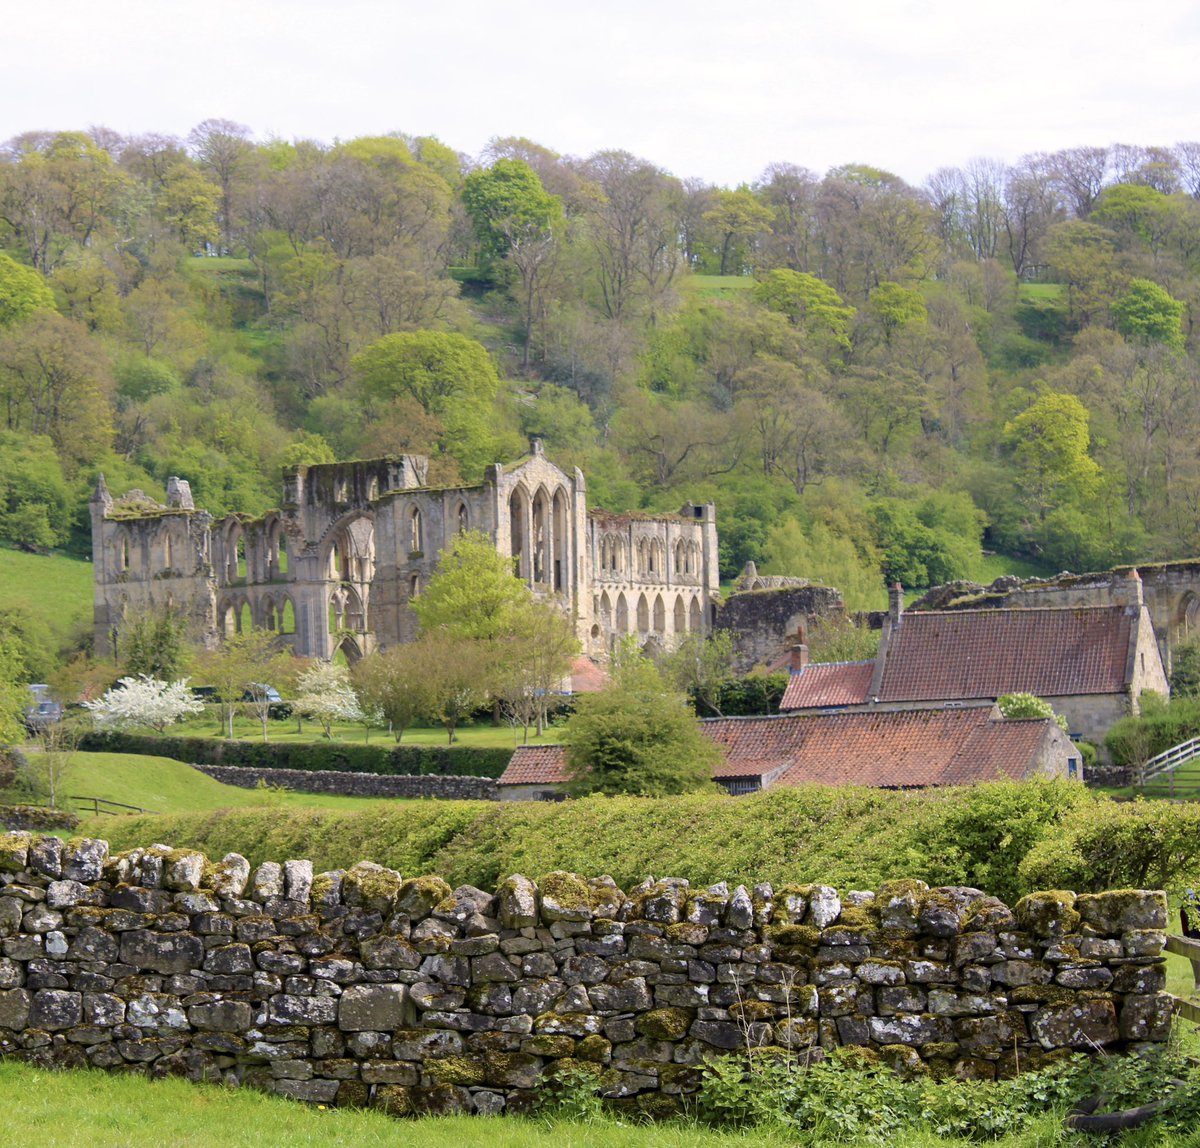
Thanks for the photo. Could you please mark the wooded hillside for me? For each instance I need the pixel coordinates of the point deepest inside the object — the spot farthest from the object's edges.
(870, 379)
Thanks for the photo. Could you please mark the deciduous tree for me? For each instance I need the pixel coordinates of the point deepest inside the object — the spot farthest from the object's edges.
(638, 736)
(394, 683)
(22, 291)
(474, 593)
(1049, 441)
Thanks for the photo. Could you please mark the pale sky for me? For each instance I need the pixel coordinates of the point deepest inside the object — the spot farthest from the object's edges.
(708, 88)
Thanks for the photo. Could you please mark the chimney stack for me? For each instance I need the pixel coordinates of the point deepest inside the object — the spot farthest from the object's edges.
(799, 658)
(895, 602)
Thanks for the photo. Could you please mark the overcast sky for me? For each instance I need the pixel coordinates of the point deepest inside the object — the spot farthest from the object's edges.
(709, 88)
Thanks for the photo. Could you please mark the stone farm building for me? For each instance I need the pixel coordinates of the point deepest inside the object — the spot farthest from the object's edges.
(352, 544)
(889, 749)
(1090, 662)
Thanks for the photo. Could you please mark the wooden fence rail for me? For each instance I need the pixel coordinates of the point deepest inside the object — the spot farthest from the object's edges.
(1187, 1007)
(98, 805)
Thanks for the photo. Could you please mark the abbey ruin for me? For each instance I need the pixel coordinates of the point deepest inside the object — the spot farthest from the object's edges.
(352, 544)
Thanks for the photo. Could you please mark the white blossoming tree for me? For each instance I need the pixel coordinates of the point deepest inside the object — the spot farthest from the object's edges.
(144, 701)
(325, 695)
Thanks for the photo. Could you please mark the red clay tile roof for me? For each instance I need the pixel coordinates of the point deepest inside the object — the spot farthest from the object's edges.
(822, 684)
(587, 677)
(962, 654)
(881, 748)
(536, 765)
(914, 748)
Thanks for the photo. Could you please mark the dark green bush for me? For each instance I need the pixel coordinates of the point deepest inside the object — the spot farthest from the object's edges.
(743, 697)
(1132, 741)
(452, 761)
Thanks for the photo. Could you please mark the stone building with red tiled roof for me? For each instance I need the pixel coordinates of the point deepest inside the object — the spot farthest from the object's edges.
(892, 749)
(1091, 663)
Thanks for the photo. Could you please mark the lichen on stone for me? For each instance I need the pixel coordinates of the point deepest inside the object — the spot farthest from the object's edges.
(664, 1023)
(14, 850)
(1050, 913)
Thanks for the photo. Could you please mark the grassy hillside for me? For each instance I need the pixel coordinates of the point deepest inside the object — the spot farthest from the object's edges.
(54, 592)
(167, 786)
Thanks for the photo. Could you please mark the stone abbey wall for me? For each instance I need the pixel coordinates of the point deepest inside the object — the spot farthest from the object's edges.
(362, 987)
(338, 565)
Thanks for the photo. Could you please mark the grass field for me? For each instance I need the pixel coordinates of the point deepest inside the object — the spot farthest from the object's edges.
(992, 566)
(716, 286)
(166, 786)
(1044, 292)
(250, 729)
(89, 1109)
(51, 589)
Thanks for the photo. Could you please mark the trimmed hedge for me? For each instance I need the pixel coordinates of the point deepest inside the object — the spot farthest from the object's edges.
(849, 837)
(444, 761)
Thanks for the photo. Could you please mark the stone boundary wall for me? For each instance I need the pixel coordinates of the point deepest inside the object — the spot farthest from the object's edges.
(36, 817)
(362, 987)
(357, 784)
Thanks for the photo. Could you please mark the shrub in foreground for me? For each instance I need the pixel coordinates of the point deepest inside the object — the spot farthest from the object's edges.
(1007, 838)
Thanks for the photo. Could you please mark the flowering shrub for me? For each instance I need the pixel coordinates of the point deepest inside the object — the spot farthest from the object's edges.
(144, 701)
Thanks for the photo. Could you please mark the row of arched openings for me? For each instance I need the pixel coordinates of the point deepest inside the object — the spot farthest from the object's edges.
(239, 616)
(650, 556)
(161, 552)
(256, 556)
(649, 615)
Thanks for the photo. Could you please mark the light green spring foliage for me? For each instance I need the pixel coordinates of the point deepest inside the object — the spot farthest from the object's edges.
(1148, 313)
(826, 558)
(14, 697)
(508, 204)
(452, 379)
(474, 593)
(1049, 442)
(842, 640)
(637, 736)
(809, 303)
(22, 291)
(848, 837)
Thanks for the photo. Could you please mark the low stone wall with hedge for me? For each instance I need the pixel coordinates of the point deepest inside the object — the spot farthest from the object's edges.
(354, 784)
(365, 987)
(36, 817)
(403, 760)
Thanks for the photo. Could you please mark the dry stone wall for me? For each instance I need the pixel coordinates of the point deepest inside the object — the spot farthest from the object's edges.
(364, 987)
(357, 784)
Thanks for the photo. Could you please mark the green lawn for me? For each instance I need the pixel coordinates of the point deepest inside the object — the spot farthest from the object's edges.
(992, 566)
(165, 786)
(219, 264)
(250, 729)
(95, 1110)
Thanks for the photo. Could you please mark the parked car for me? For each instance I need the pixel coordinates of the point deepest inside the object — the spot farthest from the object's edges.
(44, 712)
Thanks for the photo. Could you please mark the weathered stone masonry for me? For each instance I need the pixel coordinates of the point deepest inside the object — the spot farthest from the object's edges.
(430, 785)
(361, 987)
